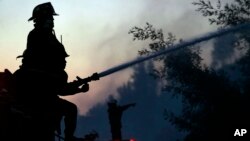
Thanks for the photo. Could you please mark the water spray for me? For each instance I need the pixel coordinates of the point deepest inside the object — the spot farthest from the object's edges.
(173, 48)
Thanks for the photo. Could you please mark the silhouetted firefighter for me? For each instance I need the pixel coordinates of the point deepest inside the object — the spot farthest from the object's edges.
(41, 78)
(115, 115)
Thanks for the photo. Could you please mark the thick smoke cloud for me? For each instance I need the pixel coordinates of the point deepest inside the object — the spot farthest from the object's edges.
(224, 51)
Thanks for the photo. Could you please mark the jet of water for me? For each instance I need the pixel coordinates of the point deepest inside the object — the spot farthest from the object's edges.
(181, 45)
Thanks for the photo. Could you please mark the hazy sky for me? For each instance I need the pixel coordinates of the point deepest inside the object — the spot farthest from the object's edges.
(95, 34)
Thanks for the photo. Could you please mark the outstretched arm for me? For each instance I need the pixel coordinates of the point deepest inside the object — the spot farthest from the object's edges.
(125, 107)
(71, 89)
(79, 85)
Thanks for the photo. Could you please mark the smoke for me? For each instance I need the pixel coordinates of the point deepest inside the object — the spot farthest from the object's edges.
(144, 92)
(176, 47)
(224, 51)
(102, 54)
(145, 121)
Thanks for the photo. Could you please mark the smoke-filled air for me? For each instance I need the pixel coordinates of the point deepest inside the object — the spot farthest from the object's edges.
(109, 70)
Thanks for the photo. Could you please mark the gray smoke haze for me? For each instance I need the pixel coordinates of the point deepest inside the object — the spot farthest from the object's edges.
(103, 41)
(224, 51)
(144, 122)
(184, 44)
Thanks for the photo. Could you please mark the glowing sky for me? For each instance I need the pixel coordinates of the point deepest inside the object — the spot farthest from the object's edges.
(95, 34)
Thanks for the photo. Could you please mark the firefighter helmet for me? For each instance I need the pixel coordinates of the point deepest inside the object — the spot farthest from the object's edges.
(44, 9)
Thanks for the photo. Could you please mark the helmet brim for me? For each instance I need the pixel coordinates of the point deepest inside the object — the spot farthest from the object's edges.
(32, 18)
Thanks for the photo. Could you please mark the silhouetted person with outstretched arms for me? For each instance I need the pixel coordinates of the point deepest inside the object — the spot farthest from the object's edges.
(41, 78)
(115, 112)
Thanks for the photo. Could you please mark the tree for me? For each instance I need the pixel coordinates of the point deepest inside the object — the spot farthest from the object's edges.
(213, 105)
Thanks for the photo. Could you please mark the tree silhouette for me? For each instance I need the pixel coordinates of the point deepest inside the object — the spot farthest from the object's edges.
(213, 104)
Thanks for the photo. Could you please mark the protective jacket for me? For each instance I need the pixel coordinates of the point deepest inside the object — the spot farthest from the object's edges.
(44, 51)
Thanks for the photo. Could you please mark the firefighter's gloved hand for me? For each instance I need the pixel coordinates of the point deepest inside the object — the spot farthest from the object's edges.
(71, 89)
(84, 87)
(95, 76)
